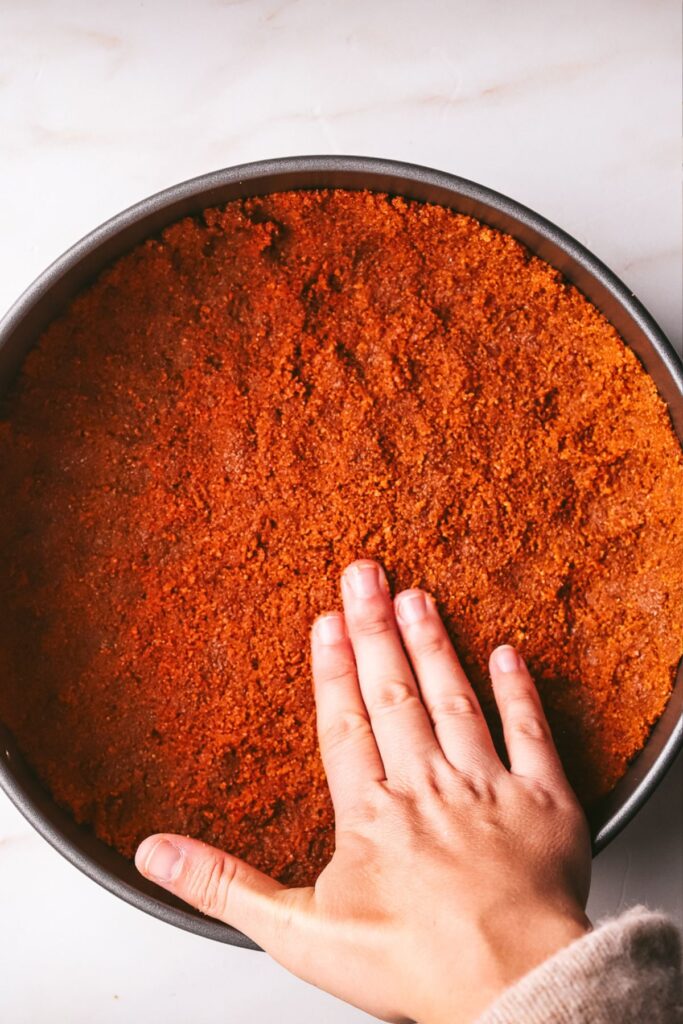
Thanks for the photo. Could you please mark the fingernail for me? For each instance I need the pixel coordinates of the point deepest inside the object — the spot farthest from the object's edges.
(506, 659)
(163, 862)
(364, 579)
(329, 629)
(411, 607)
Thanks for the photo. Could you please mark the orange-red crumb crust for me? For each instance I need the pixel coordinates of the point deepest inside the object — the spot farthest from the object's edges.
(233, 412)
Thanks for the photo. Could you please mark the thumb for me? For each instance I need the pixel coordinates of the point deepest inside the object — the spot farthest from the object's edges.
(217, 884)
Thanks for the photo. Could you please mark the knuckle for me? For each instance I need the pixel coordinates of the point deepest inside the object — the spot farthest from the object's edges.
(542, 796)
(458, 705)
(436, 782)
(369, 810)
(568, 806)
(211, 885)
(528, 727)
(390, 694)
(519, 705)
(518, 699)
(479, 787)
(336, 671)
(428, 642)
(373, 624)
(345, 727)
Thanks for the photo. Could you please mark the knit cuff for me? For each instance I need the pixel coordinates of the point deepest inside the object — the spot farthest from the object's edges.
(627, 971)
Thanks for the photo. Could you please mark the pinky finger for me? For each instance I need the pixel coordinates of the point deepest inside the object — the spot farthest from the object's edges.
(530, 746)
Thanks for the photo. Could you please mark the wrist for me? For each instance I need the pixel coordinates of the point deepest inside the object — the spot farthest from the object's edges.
(501, 957)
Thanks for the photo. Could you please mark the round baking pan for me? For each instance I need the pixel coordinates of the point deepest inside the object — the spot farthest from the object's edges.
(78, 267)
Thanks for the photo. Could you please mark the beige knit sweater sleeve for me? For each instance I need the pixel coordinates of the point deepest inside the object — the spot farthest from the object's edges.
(627, 971)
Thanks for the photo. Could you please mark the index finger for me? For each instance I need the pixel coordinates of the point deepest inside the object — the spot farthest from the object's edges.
(347, 744)
(404, 734)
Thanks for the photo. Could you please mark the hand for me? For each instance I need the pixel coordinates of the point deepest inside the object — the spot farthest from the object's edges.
(452, 876)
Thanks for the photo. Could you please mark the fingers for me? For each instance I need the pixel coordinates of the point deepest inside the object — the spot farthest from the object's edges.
(404, 735)
(347, 745)
(458, 721)
(529, 744)
(220, 886)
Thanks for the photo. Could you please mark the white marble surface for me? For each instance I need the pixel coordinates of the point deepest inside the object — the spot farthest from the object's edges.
(571, 107)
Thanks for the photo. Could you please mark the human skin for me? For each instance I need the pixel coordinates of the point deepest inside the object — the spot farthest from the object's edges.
(452, 875)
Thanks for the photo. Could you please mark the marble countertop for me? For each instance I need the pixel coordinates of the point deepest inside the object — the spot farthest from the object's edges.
(572, 109)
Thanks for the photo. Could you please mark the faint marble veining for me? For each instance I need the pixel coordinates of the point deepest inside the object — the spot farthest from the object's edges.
(573, 109)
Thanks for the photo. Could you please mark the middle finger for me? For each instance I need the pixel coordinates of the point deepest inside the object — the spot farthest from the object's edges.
(446, 691)
(404, 734)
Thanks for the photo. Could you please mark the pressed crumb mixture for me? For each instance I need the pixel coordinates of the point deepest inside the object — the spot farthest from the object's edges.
(236, 410)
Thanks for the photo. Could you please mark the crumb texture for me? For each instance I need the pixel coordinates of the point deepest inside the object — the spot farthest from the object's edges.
(234, 411)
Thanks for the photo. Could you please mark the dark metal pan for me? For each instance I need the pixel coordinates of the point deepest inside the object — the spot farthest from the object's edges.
(57, 285)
